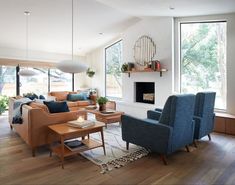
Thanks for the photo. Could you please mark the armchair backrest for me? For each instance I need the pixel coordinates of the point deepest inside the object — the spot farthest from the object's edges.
(178, 113)
(176, 107)
(204, 108)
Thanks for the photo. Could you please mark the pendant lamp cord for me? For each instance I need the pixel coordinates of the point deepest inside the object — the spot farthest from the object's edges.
(72, 29)
(27, 13)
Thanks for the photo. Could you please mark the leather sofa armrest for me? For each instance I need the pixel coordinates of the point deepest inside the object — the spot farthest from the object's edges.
(37, 121)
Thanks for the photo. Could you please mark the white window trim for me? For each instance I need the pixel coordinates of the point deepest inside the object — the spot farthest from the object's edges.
(177, 63)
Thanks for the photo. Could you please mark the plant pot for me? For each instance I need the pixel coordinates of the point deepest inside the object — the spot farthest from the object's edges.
(102, 107)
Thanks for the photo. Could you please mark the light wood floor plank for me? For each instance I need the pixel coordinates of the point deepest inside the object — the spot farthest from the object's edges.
(211, 163)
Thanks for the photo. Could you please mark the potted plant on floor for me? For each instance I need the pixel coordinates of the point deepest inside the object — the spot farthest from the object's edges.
(3, 103)
(102, 103)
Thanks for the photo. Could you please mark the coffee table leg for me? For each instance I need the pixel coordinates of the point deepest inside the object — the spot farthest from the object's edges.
(102, 137)
(62, 151)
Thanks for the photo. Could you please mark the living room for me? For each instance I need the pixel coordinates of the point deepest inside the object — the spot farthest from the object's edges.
(150, 65)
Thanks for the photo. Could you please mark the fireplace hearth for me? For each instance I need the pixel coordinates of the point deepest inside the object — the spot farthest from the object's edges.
(145, 92)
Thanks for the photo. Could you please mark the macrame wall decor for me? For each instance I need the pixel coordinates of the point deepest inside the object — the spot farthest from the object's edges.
(144, 50)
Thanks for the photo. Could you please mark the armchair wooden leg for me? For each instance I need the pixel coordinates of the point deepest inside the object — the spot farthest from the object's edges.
(11, 127)
(33, 151)
(209, 136)
(194, 143)
(187, 148)
(127, 145)
(163, 158)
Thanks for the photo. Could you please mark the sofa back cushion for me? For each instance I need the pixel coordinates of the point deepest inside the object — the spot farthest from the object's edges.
(60, 95)
(77, 97)
(39, 105)
(56, 107)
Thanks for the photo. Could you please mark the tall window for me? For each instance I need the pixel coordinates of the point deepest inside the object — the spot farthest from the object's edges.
(113, 62)
(203, 59)
(37, 84)
(60, 81)
(7, 80)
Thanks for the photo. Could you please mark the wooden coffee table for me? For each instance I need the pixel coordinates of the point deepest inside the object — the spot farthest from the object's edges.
(107, 118)
(67, 132)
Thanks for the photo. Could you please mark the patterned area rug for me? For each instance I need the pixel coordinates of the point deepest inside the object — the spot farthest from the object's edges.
(116, 153)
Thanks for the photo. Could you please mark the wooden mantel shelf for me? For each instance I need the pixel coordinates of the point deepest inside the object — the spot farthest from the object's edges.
(146, 71)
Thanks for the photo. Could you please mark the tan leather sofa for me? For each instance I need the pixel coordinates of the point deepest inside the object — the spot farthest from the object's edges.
(36, 118)
(62, 96)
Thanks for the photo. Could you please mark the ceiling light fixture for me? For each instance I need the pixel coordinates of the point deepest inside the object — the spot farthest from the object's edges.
(26, 71)
(71, 66)
(171, 8)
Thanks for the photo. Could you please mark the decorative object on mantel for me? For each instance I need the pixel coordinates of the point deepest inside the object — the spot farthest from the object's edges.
(26, 71)
(146, 70)
(90, 72)
(131, 66)
(124, 67)
(144, 50)
(156, 65)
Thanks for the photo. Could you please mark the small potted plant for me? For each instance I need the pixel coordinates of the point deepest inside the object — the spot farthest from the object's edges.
(102, 103)
(90, 72)
(3, 104)
(124, 67)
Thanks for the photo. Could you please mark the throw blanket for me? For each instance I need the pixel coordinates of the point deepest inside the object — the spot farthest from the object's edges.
(17, 110)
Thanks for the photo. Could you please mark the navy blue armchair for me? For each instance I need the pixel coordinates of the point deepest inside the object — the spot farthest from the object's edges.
(204, 114)
(174, 129)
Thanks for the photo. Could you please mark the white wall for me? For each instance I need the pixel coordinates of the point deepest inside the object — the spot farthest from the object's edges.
(160, 30)
(230, 18)
(97, 63)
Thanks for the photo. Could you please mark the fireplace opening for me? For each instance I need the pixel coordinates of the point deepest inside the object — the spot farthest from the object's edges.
(145, 92)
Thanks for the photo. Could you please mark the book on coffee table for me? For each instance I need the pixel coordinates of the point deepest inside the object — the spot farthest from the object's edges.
(81, 124)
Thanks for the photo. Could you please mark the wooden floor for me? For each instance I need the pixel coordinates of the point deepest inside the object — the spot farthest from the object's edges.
(212, 163)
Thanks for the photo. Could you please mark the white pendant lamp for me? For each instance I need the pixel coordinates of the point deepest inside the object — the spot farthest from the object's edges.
(71, 66)
(27, 72)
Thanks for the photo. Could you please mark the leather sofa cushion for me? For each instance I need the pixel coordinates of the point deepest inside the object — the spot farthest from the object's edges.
(83, 103)
(72, 104)
(57, 107)
(60, 95)
(39, 105)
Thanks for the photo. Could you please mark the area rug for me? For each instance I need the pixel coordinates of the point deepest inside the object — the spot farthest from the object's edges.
(116, 154)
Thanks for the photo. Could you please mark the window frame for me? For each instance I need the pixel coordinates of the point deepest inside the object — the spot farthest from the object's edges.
(178, 54)
(17, 89)
(105, 68)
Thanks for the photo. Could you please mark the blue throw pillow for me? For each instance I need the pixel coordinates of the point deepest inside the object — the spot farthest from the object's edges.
(41, 97)
(31, 96)
(56, 107)
(77, 97)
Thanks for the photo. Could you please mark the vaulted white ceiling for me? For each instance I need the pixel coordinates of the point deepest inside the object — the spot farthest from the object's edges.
(181, 7)
(50, 24)
(50, 20)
